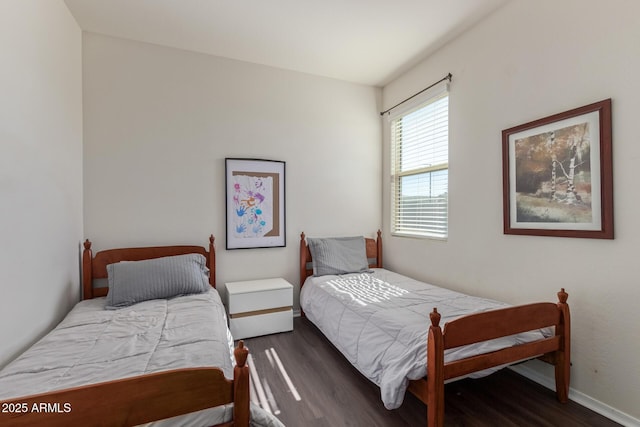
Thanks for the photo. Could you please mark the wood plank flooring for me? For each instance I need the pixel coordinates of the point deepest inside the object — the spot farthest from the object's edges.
(333, 393)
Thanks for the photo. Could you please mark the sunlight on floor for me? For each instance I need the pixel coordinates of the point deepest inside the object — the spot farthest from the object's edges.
(261, 393)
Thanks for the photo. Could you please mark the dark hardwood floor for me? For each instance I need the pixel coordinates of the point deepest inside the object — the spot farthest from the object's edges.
(333, 393)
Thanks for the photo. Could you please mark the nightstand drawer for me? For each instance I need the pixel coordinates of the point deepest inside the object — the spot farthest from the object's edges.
(263, 300)
(261, 324)
(256, 295)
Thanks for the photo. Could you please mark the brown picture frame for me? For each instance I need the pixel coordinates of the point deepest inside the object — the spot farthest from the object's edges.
(557, 175)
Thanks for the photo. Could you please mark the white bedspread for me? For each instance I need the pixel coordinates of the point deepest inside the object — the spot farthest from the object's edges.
(380, 320)
(93, 345)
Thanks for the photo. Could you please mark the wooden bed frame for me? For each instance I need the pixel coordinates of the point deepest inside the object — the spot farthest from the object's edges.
(144, 398)
(94, 268)
(476, 328)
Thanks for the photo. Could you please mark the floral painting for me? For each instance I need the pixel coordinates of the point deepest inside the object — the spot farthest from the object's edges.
(255, 203)
(253, 209)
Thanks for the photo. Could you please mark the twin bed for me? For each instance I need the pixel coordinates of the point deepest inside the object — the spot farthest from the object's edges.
(156, 349)
(386, 325)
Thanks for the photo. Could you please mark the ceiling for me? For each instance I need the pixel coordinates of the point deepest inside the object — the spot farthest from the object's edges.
(363, 41)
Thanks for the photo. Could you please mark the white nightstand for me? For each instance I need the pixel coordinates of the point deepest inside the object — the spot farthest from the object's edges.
(259, 307)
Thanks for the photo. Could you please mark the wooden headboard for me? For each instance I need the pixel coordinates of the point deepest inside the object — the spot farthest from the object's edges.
(96, 267)
(373, 247)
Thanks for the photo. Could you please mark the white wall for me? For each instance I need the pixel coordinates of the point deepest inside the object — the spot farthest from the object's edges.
(527, 61)
(159, 123)
(40, 169)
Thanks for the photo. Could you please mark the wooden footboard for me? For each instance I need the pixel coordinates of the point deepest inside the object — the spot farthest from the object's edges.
(137, 400)
(486, 326)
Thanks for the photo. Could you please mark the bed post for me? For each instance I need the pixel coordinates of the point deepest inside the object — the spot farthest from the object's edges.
(303, 264)
(563, 355)
(435, 372)
(87, 274)
(212, 261)
(379, 249)
(241, 387)
(303, 259)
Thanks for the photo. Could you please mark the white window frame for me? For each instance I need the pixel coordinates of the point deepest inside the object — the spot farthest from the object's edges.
(422, 231)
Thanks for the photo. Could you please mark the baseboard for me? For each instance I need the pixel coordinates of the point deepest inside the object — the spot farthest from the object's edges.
(296, 313)
(579, 397)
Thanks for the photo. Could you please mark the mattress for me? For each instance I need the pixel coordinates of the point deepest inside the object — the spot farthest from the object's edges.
(379, 321)
(93, 345)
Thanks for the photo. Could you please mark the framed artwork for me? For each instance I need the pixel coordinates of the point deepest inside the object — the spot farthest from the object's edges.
(255, 203)
(557, 175)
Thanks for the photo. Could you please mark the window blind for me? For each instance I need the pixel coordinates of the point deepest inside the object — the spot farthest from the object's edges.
(419, 168)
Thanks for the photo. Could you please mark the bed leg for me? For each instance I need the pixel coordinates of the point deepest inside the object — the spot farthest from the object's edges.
(435, 372)
(563, 356)
(241, 387)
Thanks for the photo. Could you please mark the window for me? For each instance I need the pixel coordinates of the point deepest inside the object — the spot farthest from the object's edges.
(419, 168)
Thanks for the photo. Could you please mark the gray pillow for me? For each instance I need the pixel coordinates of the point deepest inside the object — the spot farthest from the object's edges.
(338, 255)
(131, 282)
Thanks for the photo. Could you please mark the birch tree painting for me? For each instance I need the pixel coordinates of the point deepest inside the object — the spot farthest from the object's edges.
(553, 176)
(557, 174)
